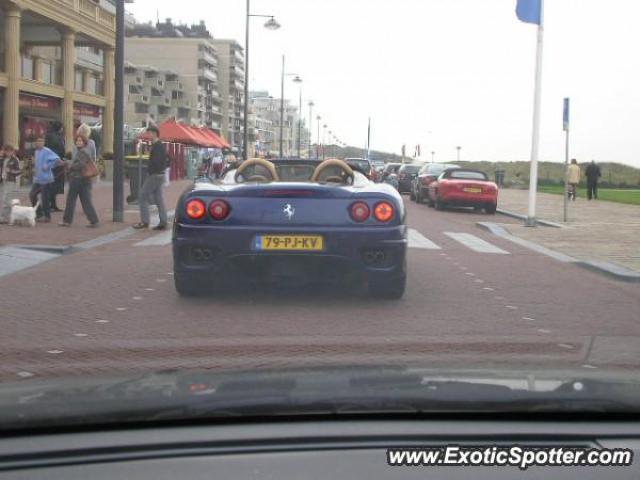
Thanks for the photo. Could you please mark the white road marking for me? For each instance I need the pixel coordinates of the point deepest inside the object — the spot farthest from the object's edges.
(477, 280)
(149, 289)
(121, 309)
(470, 274)
(417, 240)
(102, 321)
(565, 345)
(589, 366)
(488, 289)
(529, 319)
(159, 240)
(25, 374)
(137, 298)
(161, 280)
(542, 330)
(55, 352)
(80, 335)
(476, 244)
(511, 307)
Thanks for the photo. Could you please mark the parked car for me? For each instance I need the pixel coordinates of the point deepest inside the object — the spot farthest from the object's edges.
(406, 174)
(427, 174)
(362, 165)
(464, 188)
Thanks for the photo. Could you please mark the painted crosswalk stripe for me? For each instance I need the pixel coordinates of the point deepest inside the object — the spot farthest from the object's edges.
(476, 244)
(417, 240)
(159, 240)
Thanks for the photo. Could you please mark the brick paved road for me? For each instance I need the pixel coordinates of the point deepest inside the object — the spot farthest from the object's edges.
(113, 309)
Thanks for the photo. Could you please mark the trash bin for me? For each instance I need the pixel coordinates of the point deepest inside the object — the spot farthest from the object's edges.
(500, 178)
(137, 173)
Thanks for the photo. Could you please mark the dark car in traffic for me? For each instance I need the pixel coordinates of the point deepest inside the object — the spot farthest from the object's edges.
(427, 174)
(406, 174)
(363, 166)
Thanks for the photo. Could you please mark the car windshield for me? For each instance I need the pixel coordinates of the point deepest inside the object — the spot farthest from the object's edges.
(466, 175)
(336, 207)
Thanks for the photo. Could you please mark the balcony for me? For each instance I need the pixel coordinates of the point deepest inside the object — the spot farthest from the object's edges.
(138, 98)
(208, 74)
(134, 80)
(160, 101)
(154, 82)
(208, 58)
(174, 85)
(180, 103)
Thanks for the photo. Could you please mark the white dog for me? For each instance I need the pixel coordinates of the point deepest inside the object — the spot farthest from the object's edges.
(22, 214)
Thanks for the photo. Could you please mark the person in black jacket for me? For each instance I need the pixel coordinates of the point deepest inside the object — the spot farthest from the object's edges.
(593, 174)
(152, 187)
(55, 141)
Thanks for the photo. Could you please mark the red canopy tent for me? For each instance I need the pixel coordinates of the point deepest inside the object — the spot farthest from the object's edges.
(214, 137)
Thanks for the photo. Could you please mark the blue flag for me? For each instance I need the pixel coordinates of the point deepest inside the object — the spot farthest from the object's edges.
(529, 11)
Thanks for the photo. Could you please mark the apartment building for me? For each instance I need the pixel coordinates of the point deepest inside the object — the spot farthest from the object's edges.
(154, 95)
(231, 87)
(170, 49)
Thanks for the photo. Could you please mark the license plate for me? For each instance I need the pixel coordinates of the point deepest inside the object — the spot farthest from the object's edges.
(473, 190)
(305, 243)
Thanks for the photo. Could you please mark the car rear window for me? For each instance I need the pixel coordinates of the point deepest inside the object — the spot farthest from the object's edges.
(410, 168)
(361, 165)
(466, 175)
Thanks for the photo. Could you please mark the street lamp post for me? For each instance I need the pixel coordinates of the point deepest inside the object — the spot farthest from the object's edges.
(300, 125)
(318, 118)
(311, 104)
(324, 138)
(458, 148)
(271, 24)
(433, 157)
(297, 79)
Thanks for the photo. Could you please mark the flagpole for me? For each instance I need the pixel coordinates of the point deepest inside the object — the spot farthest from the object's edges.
(535, 141)
(368, 138)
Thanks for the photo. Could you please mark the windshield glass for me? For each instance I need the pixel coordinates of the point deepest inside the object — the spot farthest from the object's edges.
(196, 193)
(466, 175)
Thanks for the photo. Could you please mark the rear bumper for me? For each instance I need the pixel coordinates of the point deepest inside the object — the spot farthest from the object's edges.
(404, 186)
(212, 251)
(462, 199)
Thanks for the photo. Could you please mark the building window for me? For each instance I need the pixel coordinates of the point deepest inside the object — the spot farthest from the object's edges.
(47, 73)
(78, 81)
(142, 108)
(27, 67)
(93, 84)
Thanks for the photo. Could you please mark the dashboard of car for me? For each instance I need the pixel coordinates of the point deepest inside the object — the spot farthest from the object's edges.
(348, 449)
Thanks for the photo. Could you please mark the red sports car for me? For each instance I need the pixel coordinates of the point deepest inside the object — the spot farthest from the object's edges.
(464, 188)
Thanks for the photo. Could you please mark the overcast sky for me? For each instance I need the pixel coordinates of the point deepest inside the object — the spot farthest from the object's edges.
(442, 73)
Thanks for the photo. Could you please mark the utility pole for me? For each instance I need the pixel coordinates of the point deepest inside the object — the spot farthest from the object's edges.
(118, 137)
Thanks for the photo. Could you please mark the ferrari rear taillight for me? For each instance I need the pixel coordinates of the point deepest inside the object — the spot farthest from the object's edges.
(195, 209)
(219, 209)
(359, 212)
(383, 211)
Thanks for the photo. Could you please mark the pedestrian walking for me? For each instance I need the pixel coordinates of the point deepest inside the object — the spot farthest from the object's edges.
(10, 180)
(55, 141)
(153, 185)
(573, 174)
(44, 162)
(81, 172)
(593, 174)
(84, 130)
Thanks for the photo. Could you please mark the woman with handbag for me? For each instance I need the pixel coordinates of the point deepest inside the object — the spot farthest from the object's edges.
(82, 171)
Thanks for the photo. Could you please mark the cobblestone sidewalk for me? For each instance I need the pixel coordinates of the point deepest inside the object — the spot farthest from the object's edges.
(597, 230)
(52, 234)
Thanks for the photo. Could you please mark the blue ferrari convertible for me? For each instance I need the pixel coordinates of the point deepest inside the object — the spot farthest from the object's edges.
(290, 221)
